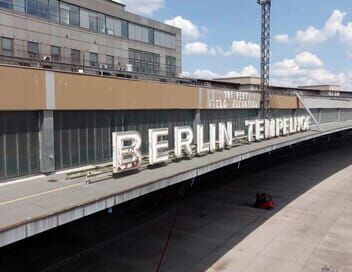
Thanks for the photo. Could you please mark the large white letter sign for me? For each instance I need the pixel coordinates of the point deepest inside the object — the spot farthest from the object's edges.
(157, 146)
(250, 124)
(126, 154)
(201, 146)
(212, 137)
(183, 141)
(225, 135)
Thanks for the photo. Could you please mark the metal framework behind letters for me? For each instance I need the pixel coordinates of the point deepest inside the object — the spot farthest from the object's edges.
(265, 56)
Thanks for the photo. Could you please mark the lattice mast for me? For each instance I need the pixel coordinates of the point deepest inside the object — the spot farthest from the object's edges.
(265, 57)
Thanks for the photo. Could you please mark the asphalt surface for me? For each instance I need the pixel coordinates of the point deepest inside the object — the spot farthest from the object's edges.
(216, 227)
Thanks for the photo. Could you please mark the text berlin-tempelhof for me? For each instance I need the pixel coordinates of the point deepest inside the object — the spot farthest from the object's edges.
(126, 145)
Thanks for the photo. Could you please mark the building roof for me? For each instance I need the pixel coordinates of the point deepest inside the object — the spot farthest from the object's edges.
(326, 87)
(117, 3)
(246, 80)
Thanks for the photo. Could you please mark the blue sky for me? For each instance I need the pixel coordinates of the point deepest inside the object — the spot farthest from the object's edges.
(221, 38)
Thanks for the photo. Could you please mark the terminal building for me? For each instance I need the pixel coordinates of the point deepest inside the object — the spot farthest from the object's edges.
(70, 76)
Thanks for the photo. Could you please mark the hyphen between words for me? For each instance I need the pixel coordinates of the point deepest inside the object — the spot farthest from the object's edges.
(126, 145)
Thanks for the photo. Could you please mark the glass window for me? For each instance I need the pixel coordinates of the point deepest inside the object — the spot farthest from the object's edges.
(33, 50)
(32, 7)
(75, 56)
(69, 14)
(43, 9)
(55, 53)
(101, 23)
(138, 33)
(93, 59)
(124, 29)
(89, 19)
(6, 4)
(6, 46)
(164, 39)
(54, 11)
(144, 62)
(19, 5)
(170, 66)
(113, 26)
(110, 61)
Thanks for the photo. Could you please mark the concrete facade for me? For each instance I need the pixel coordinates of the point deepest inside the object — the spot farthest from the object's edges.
(22, 28)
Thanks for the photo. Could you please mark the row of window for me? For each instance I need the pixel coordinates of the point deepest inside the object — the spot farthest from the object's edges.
(64, 13)
(141, 61)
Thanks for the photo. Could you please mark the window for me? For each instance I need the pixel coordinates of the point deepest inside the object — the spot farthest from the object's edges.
(170, 68)
(164, 39)
(69, 14)
(19, 5)
(43, 9)
(6, 46)
(6, 4)
(93, 59)
(110, 62)
(138, 33)
(32, 7)
(124, 29)
(75, 56)
(113, 26)
(55, 53)
(89, 19)
(144, 62)
(33, 50)
(101, 23)
(54, 11)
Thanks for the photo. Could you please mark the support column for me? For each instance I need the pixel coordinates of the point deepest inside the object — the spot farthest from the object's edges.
(46, 142)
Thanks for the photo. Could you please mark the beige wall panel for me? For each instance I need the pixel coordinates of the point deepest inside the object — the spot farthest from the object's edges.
(22, 89)
(90, 92)
(283, 102)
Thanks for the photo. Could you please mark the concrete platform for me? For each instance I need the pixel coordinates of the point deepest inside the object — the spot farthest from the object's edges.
(217, 231)
(29, 208)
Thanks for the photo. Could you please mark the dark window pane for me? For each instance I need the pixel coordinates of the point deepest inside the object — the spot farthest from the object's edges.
(54, 11)
(75, 56)
(6, 46)
(43, 9)
(93, 58)
(124, 29)
(32, 7)
(33, 50)
(11, 143)
(69, 14)
(110, 62)
(55, 53)
(101, 23)
(7, 4)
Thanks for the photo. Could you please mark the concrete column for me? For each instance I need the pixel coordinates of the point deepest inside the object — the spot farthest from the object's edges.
(338, 115)
(46, 142)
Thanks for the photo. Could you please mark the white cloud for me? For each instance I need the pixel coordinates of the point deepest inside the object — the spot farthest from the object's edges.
(334, 26)
(200, 48)
(243, 48)
(308, 60)
(310, 36)
(205, 74)
(190, 31)
(249, 70)
(143, 7)
(307, 69)
(196, 48)
(282, 38)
